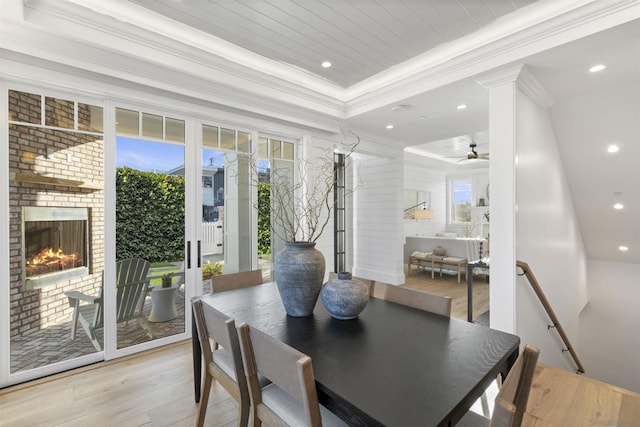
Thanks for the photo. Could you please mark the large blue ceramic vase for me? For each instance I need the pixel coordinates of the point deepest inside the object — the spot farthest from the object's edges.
(299, 273)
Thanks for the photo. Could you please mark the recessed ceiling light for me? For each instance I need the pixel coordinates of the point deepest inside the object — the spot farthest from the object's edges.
(623, 248)
(613, 148)
(461, 107)
(389, 126)
(597, 68)
(399, 107)
(326, 64)
(618, 206)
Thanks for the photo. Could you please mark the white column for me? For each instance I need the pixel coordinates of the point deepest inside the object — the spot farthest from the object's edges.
(502, 88)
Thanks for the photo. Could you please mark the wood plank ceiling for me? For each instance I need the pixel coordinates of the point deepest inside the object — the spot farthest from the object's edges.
(359, 37)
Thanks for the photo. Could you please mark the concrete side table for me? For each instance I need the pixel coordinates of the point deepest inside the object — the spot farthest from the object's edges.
(163, 306)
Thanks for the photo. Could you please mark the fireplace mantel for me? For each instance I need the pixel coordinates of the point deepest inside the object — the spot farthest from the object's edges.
(35, 178)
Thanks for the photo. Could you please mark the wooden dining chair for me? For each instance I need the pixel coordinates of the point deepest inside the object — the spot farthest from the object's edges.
(243, 279)
(291, 398)
(511, 401)
(421, 300)
(222, 363)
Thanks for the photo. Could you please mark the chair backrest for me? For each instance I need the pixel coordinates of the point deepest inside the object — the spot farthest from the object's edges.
(178, 278)
(284, 366)
(211, 324)
(243, 279)
(511, 401)
(131, 285)
(421, 300)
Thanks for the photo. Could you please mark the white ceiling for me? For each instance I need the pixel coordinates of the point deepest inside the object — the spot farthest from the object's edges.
(424, 55)
(361, 38)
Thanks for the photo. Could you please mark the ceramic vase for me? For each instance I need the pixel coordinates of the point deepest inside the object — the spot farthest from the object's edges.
(299, 273)
(344, 297)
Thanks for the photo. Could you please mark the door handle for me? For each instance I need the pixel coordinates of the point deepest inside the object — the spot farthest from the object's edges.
(199, 254)
(189, 254)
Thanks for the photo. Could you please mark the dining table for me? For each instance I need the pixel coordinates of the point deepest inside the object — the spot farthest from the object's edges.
(393, 365)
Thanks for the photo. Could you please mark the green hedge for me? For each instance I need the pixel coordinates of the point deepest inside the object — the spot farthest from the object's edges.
(149, 215)
(264, 219)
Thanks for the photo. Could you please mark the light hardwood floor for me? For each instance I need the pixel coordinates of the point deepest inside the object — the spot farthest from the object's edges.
(448, 285)
(154, 388)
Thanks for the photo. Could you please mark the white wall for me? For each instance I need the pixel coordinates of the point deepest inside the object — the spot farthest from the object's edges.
(547, 237)
(609, 336)
(378, 232)
(419, 177)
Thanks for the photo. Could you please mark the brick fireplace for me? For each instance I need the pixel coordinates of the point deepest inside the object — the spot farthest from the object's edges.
(56, 168)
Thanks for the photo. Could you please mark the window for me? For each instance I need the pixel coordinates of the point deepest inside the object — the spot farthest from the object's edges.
(460, 198)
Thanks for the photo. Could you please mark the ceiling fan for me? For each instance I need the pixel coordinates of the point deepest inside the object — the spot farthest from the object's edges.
(473, 154)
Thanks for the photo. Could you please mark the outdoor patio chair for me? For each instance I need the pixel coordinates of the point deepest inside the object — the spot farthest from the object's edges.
(131, 285)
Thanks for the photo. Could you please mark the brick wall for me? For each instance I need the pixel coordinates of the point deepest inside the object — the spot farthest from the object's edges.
(60, 153)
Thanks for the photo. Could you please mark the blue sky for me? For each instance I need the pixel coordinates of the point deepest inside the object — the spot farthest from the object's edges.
(153, 156)
(461, 192)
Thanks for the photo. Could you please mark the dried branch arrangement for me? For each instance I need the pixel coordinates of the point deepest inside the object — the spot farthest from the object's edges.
(301, 197)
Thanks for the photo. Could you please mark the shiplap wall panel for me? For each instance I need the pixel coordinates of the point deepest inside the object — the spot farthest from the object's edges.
(379, 235)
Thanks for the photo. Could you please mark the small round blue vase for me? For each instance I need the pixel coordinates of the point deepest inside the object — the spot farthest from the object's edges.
(344, 297)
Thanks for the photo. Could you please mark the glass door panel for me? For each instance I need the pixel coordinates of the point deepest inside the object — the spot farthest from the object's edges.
(226, 202)
(56, 163)
(150, 227)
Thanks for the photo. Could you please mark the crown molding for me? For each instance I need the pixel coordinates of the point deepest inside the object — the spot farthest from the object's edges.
(70, 23)
(586, 19)
(159, 48)
(534, 90)
(501, 76)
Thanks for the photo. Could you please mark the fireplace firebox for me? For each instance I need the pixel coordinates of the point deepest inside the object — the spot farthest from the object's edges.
(54, 244)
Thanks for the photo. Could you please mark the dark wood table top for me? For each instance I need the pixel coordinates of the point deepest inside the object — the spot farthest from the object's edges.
(393, 366)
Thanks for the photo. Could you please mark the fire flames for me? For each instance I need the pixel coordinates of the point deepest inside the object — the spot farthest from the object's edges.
(48, 260)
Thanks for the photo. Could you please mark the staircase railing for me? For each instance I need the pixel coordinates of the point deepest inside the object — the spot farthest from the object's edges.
(526, 271)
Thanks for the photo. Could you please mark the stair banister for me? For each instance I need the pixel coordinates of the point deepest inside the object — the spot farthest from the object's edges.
(526, 271)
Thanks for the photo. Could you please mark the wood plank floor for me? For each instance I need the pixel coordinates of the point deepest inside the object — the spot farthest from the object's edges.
(155, 388)
(448, 285)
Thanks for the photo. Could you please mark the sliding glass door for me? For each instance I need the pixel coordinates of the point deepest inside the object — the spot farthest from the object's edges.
(150, 273)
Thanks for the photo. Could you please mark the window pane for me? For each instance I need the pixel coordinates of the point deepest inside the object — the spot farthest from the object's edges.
(174, 130)
(210, 136)
(276, 152)
(90, 118)
(25, 107)
(287, 150)
(59, 113)
(228, 139)
(263, 148)
(461, 200)
(244, 142)
(126, 122)
(152, 126)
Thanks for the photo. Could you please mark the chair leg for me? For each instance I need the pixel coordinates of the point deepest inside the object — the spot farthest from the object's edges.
(142, 321)
(485, 405)
(74, 321)
(204, 399)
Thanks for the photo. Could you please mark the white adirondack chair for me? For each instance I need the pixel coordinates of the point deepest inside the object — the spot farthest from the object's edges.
(131, 284)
